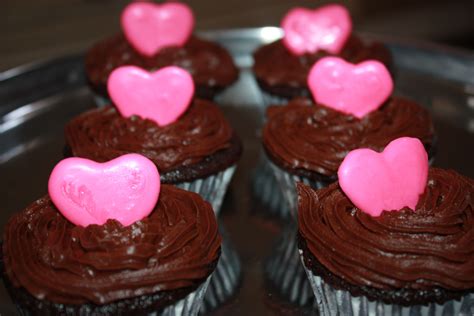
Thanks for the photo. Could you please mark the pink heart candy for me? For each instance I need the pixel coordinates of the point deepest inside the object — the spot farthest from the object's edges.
(86, 192)
(162, 96)
(351, 89)
(149, 27)
(386, 181)
(308, 31)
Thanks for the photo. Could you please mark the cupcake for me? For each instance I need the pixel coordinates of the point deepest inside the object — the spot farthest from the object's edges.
(188, 139)
(281, 67)
(109, 239)
(307, 140)
(155, 36)
(392, 237)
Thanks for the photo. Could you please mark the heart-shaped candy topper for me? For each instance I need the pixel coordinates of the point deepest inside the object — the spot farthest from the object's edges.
(162, 96)
(308, 31)
(386, 181)
(149, 27)
(351, 89)
(86, 192)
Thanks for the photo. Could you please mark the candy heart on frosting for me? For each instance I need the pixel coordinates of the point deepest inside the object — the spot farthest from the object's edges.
(386, 181)
(162, 96)
(351, 89)
(308, 31)
(86, 192)
(149, 27)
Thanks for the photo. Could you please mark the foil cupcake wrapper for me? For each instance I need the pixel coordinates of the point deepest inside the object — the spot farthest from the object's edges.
(101, 101)
(225, 280)
(332, 302)
(271, 99)
(188, 306)
(221, 98)
(212, 188)
(285, 273)
(266, 190)
(287, 184)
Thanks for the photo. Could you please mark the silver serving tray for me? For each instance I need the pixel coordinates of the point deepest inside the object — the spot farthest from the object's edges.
(36, 100)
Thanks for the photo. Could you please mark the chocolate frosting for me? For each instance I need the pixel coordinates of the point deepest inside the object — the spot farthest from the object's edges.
(192, 141)
(280, 72)
(430, 247)
(210, 65)
(175, 247)
(312, 140)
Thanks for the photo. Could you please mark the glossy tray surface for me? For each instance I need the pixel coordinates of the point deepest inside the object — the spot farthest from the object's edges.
(37, 100)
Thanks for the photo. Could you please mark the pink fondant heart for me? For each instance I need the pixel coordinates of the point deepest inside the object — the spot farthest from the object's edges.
(351, 89)
(386, 181)
(85, 192)
(308, 31)
(162, 96)
(150, 27)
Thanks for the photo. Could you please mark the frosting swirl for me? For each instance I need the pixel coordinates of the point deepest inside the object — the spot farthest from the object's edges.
(175, 247)
(312, 140)
(103, 134)
(430, 247)
(283, 73)
(210, 65)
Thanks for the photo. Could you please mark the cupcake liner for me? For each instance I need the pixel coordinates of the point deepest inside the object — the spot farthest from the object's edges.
(272, 99)
(211, 188)
(221, 98)
(266, 190)
(188, 306)
(284, 271)
(331, 301)
(287, 183)
(225, 280)
(101, 101)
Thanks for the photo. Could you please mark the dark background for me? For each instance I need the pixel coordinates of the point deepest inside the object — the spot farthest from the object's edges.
(39, 29)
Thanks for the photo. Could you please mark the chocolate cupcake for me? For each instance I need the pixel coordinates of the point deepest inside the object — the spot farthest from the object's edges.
(197, 151)
(411, 260)
(281, 68)
(160, 263)
(306, 142)
(155, 36)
